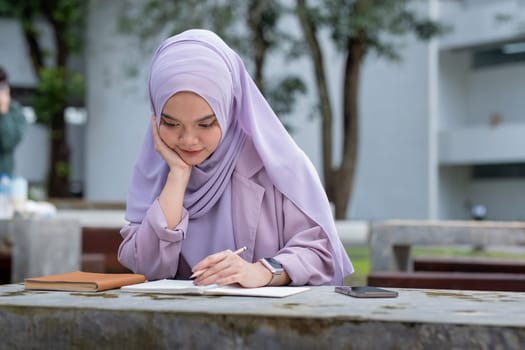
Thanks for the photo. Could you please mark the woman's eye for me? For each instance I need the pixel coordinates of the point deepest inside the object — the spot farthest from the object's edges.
(208, 125)
(167, 124)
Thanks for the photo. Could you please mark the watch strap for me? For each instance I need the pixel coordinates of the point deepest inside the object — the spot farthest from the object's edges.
(276, 272)
(274, 279)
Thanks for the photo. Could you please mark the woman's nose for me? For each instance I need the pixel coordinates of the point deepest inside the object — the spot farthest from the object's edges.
(188, 138)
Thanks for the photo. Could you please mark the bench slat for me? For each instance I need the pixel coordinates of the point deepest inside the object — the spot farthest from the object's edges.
(105, 241)
(469, 264)
(449, 280)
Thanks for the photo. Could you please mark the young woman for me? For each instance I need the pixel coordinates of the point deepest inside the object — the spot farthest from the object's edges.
(217, 172)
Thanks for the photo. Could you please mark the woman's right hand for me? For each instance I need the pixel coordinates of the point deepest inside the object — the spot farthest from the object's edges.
(171, 197)
(175, 163)
(5, 100)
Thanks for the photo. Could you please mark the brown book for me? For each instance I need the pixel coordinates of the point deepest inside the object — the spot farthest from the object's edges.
(79, 281)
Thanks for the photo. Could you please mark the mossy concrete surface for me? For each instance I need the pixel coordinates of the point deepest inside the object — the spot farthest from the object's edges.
(316, 319)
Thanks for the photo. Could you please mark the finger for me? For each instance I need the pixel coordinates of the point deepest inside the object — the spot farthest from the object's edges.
(233, 273)
(196, 274)
(212, 273)
(155, 130)
(211, 260)
(207, 277)
(222, 272)
(231, 279)
(159, 144)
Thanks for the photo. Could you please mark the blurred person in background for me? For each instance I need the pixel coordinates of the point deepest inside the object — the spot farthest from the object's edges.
(12, 126)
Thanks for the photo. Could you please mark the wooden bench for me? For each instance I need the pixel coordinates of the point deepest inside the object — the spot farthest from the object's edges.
(464, 273)
(5, 268)
(511, 282)
(99, 250)
(468, 264)
(391, 241)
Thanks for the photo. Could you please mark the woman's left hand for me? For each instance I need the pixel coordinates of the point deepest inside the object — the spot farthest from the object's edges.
(226, 267)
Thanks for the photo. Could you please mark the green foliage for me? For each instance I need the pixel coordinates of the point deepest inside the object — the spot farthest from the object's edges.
(379, 23)
(62, 169)
(70, 16)
(149, 18)
(16, 9)
(55, 87)
(56, 84)
(230, 20)
(67, 15)
(283, 96)
(64, 19)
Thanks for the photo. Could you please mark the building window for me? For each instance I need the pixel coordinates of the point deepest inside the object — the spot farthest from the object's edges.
(499, 171)
(504, 54)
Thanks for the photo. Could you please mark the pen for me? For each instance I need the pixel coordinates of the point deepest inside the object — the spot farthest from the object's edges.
(200, 272)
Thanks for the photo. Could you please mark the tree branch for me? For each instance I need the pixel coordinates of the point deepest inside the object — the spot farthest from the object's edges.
(31, 37)
(256, 9)
(59, 35)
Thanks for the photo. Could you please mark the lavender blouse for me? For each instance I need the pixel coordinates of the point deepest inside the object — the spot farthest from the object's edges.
(264, 221)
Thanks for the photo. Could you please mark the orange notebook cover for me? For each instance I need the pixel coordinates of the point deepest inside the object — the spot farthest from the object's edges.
(79, 281)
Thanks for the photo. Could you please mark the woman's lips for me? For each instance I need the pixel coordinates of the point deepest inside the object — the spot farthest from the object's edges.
(190, 153)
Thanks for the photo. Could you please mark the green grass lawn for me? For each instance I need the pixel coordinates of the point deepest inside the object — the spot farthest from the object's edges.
(360, 257)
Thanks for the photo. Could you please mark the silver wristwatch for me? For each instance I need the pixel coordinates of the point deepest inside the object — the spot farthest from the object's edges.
(275, 268)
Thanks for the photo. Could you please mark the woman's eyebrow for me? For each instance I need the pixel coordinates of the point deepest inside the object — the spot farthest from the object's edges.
(209, 116)
(198, 120)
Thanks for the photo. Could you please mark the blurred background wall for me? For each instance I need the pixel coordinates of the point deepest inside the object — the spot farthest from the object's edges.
(440, 132)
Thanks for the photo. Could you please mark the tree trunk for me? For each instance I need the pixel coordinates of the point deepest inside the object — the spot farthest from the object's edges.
(58, 181)
(58, 176)
(346, 172)
(58, 184)
(254, 18)
(309, 32)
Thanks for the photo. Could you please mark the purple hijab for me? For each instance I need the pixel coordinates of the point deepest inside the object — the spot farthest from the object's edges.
(198, 60)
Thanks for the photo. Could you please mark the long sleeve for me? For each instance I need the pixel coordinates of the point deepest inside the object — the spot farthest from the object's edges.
(150, 248)
(306, 255)
(12, 127)
(270, 224)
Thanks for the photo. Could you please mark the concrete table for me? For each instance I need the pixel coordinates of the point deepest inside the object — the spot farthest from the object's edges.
(316, 319)
(94, 217)
(391, 241)
(41, 246)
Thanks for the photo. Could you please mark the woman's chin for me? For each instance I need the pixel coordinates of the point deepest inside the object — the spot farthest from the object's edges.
(193, 160)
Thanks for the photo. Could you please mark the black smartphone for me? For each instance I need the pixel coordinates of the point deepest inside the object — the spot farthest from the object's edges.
(366, 292)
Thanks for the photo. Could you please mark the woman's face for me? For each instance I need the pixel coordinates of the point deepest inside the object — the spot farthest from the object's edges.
(189, 127)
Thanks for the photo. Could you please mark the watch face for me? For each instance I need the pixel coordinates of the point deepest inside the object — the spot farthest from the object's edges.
(274, 263)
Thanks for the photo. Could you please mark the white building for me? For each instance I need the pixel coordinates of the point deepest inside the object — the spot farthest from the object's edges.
(439, 132)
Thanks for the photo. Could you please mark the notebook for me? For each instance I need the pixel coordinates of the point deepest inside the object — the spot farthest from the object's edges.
(167, 286)
(80, 281)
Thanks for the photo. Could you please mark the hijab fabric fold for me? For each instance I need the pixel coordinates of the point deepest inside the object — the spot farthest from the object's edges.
(198, 60)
